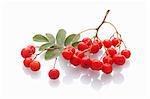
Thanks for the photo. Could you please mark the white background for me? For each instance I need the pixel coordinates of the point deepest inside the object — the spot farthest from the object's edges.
(21, 20)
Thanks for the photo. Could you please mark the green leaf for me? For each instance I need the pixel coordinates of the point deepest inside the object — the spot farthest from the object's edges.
(45, 46)
(40, 38)
(75, 44)
(72, 38)
(52, 53)
(50, 38)
(60, 37)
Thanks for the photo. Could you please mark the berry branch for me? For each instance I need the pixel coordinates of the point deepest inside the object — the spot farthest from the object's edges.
(77, 51)
(103, 20)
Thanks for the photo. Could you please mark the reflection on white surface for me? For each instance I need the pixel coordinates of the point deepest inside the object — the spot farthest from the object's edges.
(54, 83)
(95, 79)
(34, 75)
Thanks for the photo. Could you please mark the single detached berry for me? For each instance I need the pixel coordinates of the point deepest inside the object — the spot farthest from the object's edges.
(96, 65)
(67, 54)
(26, 52)
(119, 59)
(94, 48)
(111, 51)
(87, 41)
(35, 66)
(27, 62)
(107, 43)
(116, 42)
(80, 54)
(108, 59)
(107, 68)
(53, 74)
(126, 53)
(82, 46)
(32, 48)
(86, 62)
(75, 60)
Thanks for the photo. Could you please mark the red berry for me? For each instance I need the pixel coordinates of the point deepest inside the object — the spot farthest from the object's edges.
(26, 52)
(35, 65)
(27, 62)
(116, 42)
(107, 68)
(53, 74)
(75, 60)
(94, 48)
(119, 59)
(32, 48)
(80, 54)
(111, 51)
(96, 65)
(108, 59)
(107, 43)
(71, 48)
(67, 54)
(87, 41)
(99, 43)
(82, 46)
(86, 62)
(126, 53)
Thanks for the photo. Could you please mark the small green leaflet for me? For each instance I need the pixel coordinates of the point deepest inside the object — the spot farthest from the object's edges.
(40, 38)
(50, 38)
(52, 54)
(45, 46)
(72, 38)
(60, 37)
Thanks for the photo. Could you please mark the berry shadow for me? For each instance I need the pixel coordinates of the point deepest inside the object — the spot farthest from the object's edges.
(95, 79)
(34, 75)
(54, 83)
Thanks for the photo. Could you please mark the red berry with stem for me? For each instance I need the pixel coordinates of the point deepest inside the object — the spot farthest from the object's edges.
(108, 59)
(119, 59)
(27, 62)
(94, 48)
(126, 53)
(111, 51)
(86, 62)
(54, 74)
(99, 43)
(107, 43)
(71, 48)
(107, 68)
(67, 54)
(75, 60)
(82, 46)
(32, 48)
(87, 41)
(80, 54)
(35, 66)
(26, 52)
(96, 65)
(116, 42)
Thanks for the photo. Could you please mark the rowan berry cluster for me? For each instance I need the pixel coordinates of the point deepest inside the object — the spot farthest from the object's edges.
(80, 56)
(78, 52)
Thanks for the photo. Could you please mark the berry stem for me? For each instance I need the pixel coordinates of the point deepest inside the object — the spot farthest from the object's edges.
(96, 29)
(116, 31)
(55, 62)
(103, 20)
(38, 54)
